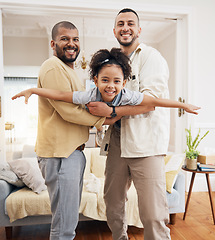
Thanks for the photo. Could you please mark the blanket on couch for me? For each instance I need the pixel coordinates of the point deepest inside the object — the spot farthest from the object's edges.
(25, 202)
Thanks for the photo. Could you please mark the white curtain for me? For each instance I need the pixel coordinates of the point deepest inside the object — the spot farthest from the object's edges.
(24, 117)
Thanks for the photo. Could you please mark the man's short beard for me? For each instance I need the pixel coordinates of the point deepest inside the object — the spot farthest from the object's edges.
(68, 60)
(60, 54)
(126, 44)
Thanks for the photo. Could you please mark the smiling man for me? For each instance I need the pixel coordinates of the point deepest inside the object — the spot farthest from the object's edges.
(136, 150)
(63, 128)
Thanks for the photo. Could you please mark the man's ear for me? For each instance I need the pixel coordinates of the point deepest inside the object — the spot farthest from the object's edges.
(139, 31)
(124, 82)
(52, 44)
(114, 32)
(95, 81)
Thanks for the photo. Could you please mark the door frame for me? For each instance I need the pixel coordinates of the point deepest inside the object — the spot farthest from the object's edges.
(183, 50)
(183, 82)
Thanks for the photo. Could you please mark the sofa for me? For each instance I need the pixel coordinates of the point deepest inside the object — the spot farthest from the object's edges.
(92, 207)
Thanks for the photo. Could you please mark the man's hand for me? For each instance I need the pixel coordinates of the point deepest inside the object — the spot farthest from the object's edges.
(99, 109)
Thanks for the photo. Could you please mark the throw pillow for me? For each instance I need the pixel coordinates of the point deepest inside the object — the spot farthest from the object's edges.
(27, 169)
(8, 175)
(173, 164)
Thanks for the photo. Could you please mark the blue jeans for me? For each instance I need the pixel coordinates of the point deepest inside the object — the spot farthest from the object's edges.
(64, 180)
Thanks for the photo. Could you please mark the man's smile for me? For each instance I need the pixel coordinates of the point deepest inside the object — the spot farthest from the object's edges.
(70, 51)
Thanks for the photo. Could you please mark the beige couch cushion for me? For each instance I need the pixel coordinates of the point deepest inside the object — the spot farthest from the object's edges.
(25, 202)
(87, 152)
(97, 163)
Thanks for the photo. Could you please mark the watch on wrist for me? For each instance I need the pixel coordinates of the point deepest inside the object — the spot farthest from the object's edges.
(113, 114)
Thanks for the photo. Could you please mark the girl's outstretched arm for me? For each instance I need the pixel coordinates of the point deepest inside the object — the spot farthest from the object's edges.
(47, 93)
(161, 102)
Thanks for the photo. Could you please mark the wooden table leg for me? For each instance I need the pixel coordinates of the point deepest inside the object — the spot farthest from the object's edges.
(189, 194)
(210, 195)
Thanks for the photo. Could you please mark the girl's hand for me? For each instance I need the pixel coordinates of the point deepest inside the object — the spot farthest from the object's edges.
(191, 108)
(26, 93)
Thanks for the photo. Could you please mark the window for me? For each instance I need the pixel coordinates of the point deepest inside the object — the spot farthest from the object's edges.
(24, 117)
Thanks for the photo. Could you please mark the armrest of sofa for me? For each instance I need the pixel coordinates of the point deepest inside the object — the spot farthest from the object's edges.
(5, 189)
(179, 186)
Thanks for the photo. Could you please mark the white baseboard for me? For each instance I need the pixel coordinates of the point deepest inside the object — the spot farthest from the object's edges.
(200, 183)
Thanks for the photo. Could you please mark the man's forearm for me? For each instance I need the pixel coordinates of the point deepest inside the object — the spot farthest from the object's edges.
(102, 109)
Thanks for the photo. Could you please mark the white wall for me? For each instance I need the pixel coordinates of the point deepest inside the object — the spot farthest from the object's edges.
(25, 51)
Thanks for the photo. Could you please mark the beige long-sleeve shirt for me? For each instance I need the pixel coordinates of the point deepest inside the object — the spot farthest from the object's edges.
(62, 127)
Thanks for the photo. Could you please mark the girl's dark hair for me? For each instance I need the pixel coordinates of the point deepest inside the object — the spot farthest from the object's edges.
(105, 57)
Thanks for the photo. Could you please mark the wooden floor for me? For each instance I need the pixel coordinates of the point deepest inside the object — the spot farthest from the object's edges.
(198, 225)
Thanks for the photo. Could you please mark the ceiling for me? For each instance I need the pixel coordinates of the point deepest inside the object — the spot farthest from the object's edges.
(39, 23)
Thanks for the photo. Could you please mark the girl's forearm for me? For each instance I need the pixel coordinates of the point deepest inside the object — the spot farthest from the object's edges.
(53, 94)
(161, 102)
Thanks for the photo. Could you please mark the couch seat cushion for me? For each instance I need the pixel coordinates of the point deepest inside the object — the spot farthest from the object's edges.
(25, 202)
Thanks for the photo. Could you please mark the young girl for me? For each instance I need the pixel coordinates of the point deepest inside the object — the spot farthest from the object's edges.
(110, 70)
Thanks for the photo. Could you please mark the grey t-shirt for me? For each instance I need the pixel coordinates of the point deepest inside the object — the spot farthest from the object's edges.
(125, 97)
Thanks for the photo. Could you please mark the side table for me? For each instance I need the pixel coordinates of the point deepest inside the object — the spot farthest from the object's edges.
(191, 186)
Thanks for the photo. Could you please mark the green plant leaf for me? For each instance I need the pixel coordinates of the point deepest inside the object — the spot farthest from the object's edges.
(202, 138)
(195, 140)
(191, 151)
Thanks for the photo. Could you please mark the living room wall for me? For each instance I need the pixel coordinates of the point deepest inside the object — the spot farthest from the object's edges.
(25, 51)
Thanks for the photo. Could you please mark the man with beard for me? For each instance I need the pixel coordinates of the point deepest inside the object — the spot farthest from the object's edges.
(136, 149)
(63, 128)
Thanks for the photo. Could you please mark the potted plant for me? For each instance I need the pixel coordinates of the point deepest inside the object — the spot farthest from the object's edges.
(192, 152)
